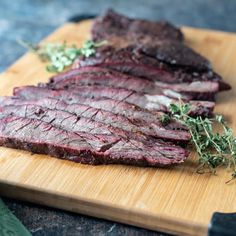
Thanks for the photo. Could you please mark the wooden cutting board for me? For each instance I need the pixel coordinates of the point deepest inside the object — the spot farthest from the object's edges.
(175, 200)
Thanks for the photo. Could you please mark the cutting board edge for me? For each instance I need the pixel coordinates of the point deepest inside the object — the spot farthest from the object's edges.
(99, 209)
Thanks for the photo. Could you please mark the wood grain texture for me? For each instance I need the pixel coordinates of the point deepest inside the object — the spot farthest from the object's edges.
(175, 200)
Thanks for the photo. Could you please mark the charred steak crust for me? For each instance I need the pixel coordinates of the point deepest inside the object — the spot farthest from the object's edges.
(114, 24)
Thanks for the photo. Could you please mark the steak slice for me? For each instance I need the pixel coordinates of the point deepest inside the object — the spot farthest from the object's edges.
(134, 62)
(74, 123)
(114, 24)
(86, 118)
(130, 111)
(62, 119)
(106, 104)
(204, 90)
(150, 102)
(40, 137)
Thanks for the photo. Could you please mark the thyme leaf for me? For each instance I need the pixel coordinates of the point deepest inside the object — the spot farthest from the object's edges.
(165, 119)
(59, 55)
(214, 148)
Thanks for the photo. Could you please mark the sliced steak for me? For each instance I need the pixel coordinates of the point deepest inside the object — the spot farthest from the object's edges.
(150, 102)
(125, 109)
(40, 137)
(86, 118)
(105, 77)
(134, 62)
(114, 24)
(62, 119)
(117, 107)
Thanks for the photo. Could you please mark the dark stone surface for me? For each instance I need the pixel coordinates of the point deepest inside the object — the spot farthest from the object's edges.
(33, 20)
(43, 221)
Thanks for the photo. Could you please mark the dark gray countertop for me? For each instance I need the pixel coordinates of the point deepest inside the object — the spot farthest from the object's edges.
(33, 20)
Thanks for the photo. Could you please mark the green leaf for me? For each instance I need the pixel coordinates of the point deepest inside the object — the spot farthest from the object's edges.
(174, 108)
(186, 108)
(165, 119)
(219, 118)
(214, 148)
(9, 224)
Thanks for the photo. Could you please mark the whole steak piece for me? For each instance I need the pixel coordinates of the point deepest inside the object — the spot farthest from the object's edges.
(160, 40)
(150, 50)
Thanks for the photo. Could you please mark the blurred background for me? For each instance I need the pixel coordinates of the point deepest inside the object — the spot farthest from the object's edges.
(33, 20)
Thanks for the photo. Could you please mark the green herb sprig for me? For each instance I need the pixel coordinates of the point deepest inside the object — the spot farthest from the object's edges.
(214, 148)
(59, 55)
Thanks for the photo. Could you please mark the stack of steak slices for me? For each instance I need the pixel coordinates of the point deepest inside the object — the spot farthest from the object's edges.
(108, 109)
(153, 51)
(59, 123)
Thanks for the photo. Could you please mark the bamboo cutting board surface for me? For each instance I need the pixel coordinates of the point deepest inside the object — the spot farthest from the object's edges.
(175, 200)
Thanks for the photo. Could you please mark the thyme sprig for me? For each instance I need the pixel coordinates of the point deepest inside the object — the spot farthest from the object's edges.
(214, 148)
(59, 55)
